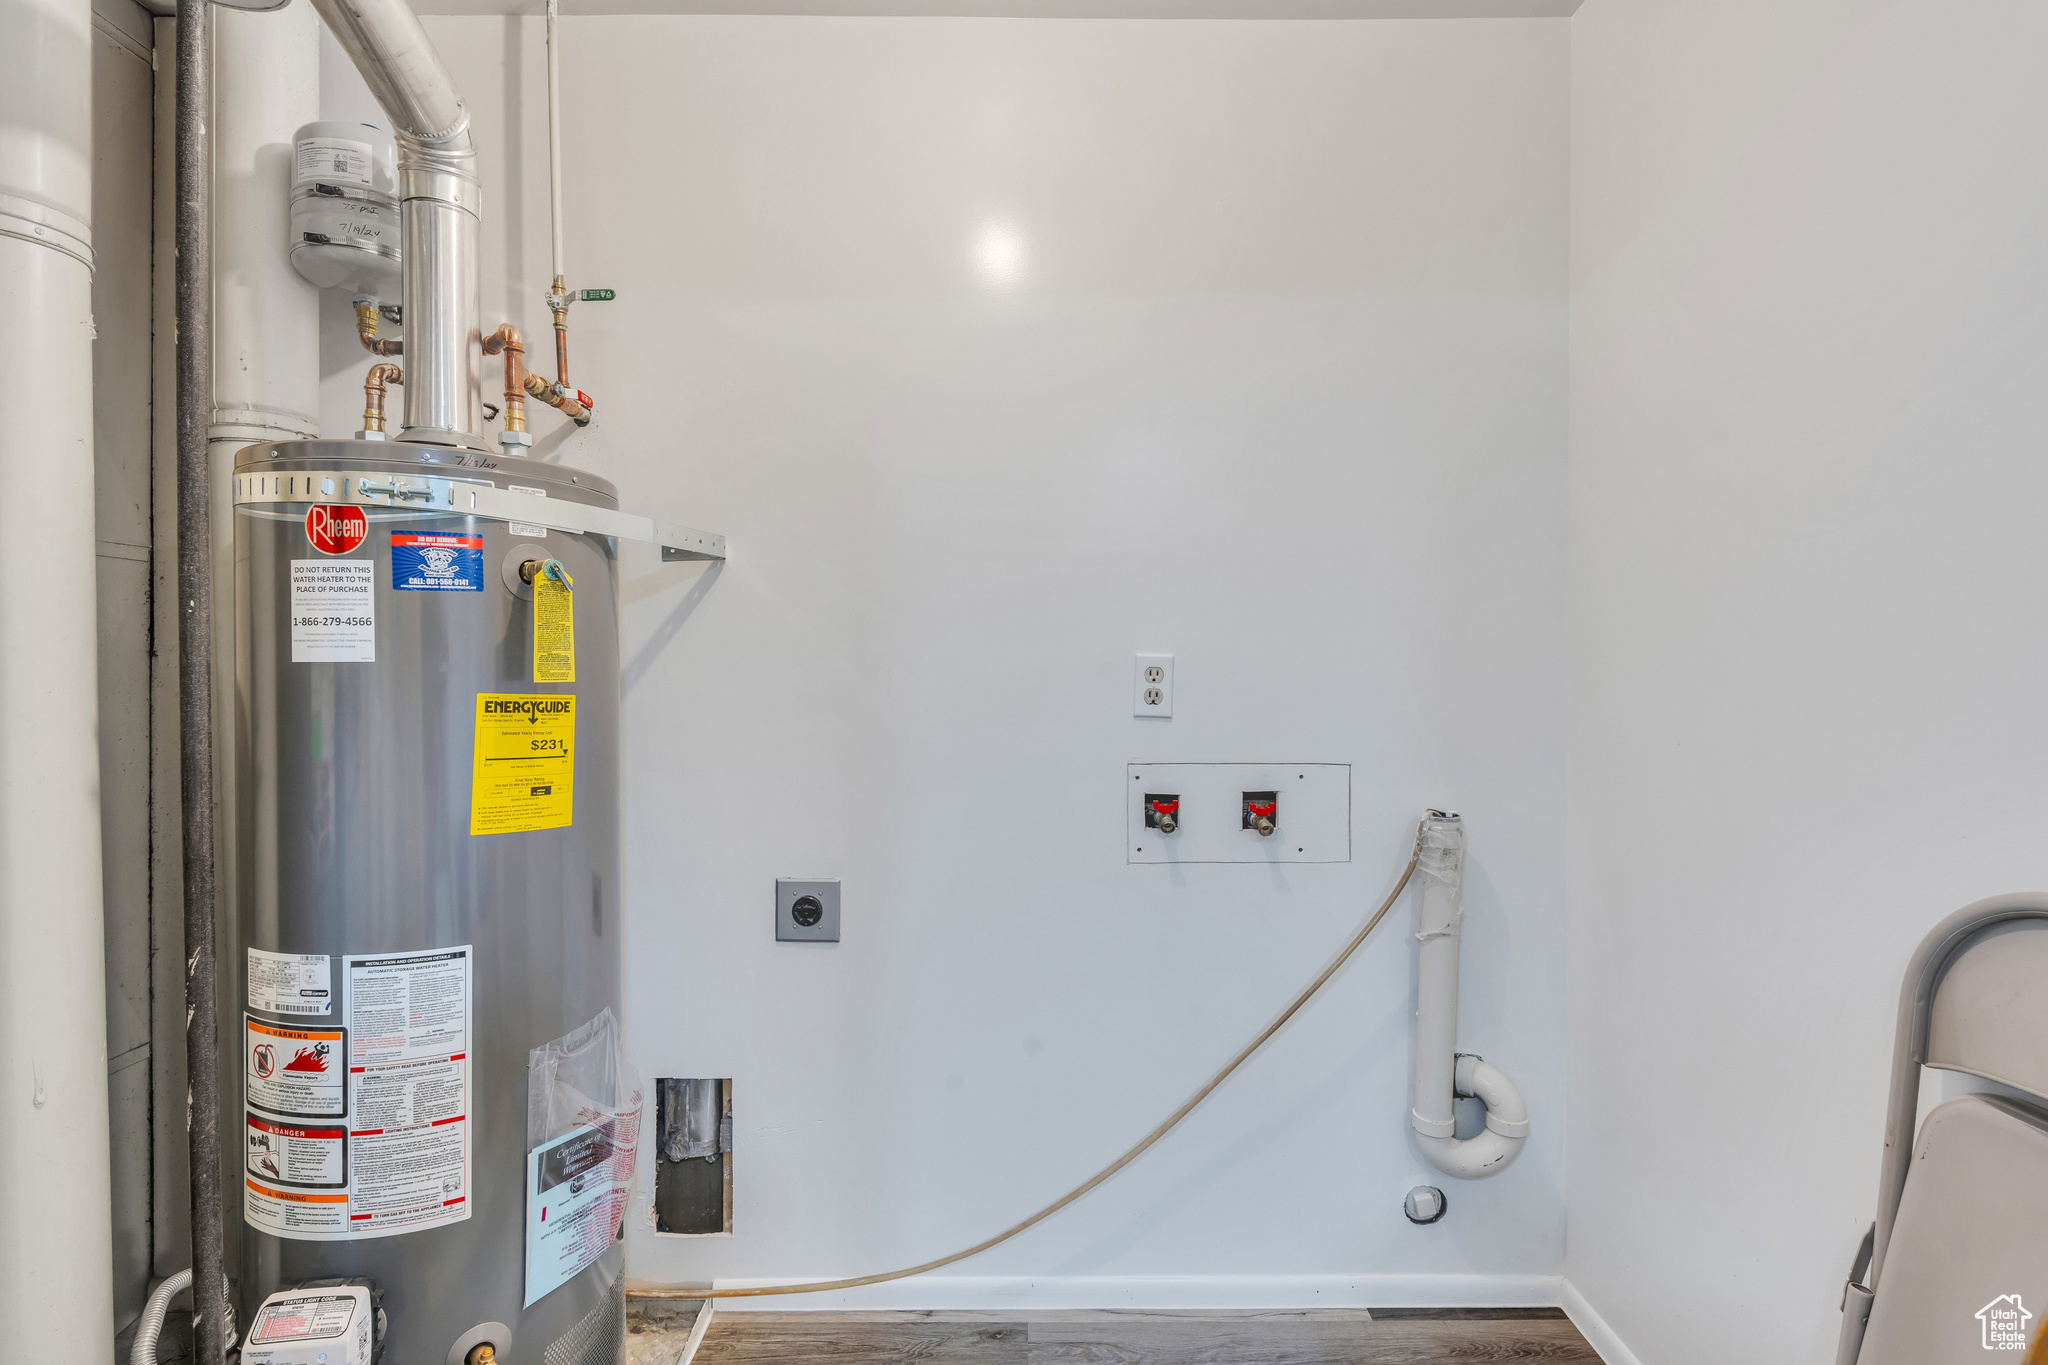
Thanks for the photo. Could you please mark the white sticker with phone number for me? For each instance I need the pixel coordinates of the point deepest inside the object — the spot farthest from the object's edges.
(334, 611)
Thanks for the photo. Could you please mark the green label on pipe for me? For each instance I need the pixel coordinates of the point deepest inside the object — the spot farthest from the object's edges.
(597, 295)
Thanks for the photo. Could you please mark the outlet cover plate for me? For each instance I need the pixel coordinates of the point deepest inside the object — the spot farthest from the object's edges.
(1314, 816)
(1152, 686)
(823, 890)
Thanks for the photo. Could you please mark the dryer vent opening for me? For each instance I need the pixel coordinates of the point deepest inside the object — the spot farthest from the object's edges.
(693, 1157)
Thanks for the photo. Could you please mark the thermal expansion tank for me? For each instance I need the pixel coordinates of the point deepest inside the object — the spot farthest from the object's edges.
(428, 885)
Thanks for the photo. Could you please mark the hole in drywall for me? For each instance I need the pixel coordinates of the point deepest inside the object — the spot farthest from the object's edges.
(693, 1156)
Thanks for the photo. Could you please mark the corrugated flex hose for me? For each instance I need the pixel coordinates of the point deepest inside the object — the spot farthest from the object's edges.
(151, 1325)
(149, 1328)
(1144, 1144)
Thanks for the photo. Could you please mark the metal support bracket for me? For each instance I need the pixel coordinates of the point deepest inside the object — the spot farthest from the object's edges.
(476, 498)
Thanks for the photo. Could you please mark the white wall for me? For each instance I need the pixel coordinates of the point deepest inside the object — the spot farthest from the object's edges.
(1808, 303)
(1278, 386)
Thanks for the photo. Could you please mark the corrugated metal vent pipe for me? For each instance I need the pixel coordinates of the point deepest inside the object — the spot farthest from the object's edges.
(440, 208)
(1442, 1073)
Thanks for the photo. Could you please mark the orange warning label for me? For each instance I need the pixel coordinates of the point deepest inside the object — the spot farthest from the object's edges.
(295, 1073)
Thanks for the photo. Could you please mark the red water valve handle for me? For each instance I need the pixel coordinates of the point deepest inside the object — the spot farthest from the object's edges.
(1264, 812)
(1166, 807)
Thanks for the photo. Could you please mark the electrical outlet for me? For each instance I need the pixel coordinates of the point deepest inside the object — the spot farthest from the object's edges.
(1154, 676)
(807, 911)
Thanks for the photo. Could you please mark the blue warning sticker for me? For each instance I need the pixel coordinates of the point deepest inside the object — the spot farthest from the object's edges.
(435, 563)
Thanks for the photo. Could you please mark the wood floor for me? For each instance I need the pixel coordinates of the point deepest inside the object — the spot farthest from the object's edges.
(1336, 1337)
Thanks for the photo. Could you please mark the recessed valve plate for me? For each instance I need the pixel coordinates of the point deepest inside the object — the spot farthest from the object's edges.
(1239, 813)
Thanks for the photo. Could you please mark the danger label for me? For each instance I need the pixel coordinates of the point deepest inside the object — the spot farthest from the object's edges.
(315, 1157)
(294, 1073)
(524, 773)
(336, 529)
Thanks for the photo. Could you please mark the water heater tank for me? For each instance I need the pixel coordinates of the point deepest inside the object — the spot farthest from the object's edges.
(344, 216)
(428, 889)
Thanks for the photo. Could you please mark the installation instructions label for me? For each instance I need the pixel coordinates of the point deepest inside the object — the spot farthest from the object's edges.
(399, 1158)
(524, 773)
(422, 562)
(334, 611)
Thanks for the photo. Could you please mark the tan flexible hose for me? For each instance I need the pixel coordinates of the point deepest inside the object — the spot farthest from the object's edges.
(1144, 1144)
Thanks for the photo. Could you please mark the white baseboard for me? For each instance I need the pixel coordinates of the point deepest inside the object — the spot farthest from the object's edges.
(1593, 1327)
(1273, 1292)
(697, 1330)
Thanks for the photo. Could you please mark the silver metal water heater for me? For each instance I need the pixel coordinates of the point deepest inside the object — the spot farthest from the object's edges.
(429, 885)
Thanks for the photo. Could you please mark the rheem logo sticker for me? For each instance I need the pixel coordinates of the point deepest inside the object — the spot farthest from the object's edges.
(336, 530)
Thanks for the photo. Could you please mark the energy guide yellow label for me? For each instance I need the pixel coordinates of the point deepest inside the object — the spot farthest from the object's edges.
(525, 763)
(554, 632)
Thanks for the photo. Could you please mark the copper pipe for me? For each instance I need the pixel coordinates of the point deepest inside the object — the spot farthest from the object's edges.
(382, 373)
(558, 304)
(366, 328)
(554, 395)
(506, 339)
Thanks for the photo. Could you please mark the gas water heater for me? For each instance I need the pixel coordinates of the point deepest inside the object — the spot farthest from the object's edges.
(428, 668)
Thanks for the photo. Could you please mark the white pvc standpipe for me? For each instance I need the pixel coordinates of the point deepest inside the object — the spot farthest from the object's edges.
(1441, 1072)
(266, 323)
(56, 1239)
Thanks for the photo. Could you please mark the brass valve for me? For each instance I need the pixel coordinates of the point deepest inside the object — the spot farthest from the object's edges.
(550, 569)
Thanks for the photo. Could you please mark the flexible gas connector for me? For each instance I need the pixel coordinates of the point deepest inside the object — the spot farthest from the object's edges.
(366, 328)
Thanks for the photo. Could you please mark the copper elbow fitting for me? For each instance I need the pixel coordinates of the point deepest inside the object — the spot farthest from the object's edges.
(382, 373)
(506, 339)
(366, 328)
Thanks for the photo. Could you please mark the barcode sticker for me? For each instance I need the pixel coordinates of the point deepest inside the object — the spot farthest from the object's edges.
(530, 530)
(290, 983)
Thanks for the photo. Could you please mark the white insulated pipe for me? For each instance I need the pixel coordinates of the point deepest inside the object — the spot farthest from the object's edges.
(440, 206)
(554, 141)
(266, 317)
(266, 322)
(56, 1236)
(1442, 1073)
